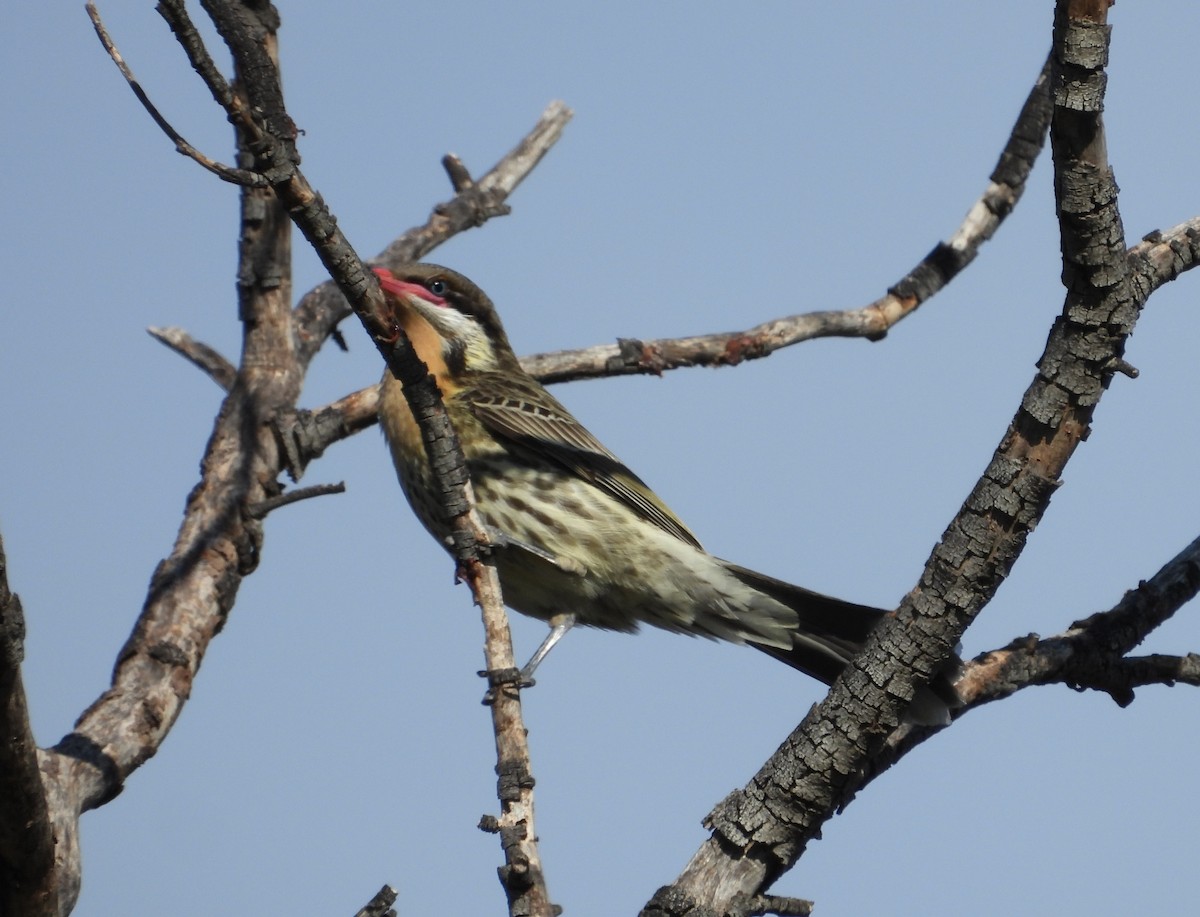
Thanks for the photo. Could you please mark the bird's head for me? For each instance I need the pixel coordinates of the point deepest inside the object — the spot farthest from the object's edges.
(452, 324)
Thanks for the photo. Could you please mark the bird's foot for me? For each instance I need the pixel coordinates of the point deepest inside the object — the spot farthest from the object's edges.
(523, 677)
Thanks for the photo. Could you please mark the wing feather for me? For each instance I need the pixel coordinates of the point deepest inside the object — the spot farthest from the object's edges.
(530, 417)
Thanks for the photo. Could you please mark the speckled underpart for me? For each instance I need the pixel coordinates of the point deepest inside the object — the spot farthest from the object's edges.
(633, 570)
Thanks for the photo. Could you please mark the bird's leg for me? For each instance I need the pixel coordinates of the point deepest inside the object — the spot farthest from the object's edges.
(523, 678)
(559, 625)
(498, 539)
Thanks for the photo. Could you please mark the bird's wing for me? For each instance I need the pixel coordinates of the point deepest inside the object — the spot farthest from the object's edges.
(529, 417)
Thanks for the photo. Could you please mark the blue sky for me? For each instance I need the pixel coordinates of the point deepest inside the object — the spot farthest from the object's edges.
(726, 164)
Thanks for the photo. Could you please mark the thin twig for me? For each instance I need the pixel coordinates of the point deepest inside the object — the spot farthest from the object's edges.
(175, 13)
(263, 507)
(930, 275)
(225, 173)
(201, 355)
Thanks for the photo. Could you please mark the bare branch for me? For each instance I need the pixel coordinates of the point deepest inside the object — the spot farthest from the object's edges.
(222, 171)
(247, 38)
(261, 510)
(218, 544)
(175, 13)
(324, 306)
(305, 435)
(761, 830)
(1163, 255)
(192, 590)
(1091, 653)
(220, 370)
(667, 901)
(1159, 259)
(1120, 678)
(26, 833)
(926, 279)
(457, 172)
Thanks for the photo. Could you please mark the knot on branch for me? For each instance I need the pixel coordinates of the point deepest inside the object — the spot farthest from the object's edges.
(512, 779)
(509, 681)
(637, 355)
(742, 347)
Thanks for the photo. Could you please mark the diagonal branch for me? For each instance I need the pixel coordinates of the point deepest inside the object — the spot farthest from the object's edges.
(1160, 258)
(324, 306)
(215, 366)
(761, 830)
(1092, 653)
(931, 274)
(222, 171)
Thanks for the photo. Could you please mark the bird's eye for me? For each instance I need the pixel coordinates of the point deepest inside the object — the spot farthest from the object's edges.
(438, 287)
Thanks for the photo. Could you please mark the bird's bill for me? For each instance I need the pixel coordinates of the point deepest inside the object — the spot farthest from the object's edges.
(434, 328)
(403, 289)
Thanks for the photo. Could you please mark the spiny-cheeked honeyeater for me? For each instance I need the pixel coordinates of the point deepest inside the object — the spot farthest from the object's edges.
(580, 537)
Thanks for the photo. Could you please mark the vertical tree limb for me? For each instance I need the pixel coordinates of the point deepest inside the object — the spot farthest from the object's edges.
(218, 543)
(26, 835)
(278, 160)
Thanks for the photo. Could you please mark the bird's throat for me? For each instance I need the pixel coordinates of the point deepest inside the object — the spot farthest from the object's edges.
(430, 347)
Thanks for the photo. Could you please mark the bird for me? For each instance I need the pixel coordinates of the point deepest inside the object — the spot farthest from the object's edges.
(578, 537)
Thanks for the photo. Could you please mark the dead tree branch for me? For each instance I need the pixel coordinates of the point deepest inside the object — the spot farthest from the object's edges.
(762, 829)
(931, 274)
(1092, 653)
(222, 171)
(268, 135)
(194, 588)
(27, 880)
(215, 366)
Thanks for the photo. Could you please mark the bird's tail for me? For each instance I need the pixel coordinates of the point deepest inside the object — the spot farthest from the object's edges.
(831, 632)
